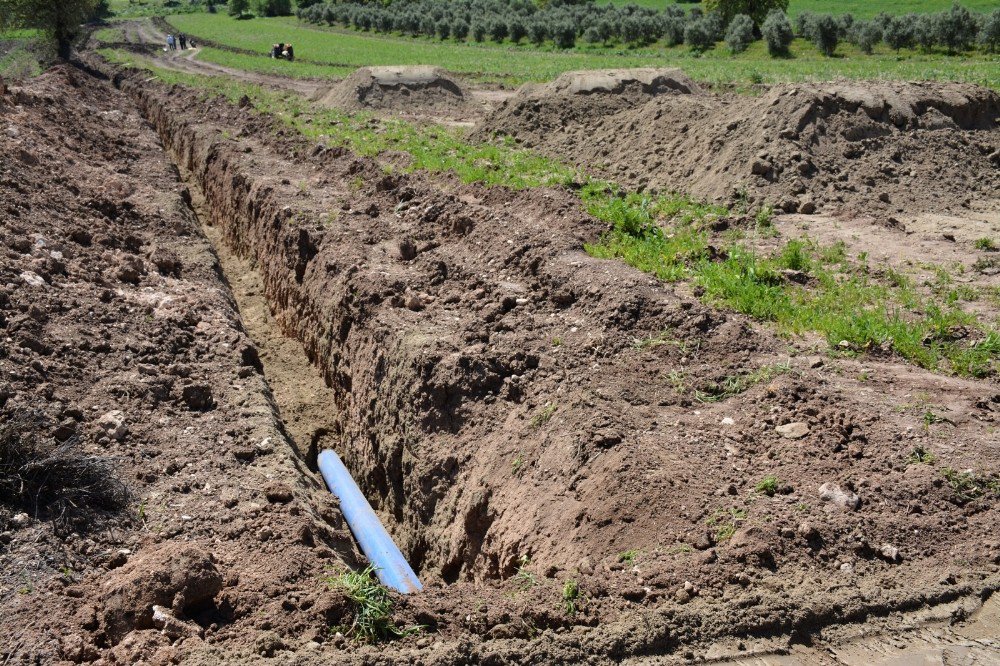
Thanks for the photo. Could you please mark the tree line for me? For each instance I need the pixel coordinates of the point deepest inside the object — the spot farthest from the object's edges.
(737, 23)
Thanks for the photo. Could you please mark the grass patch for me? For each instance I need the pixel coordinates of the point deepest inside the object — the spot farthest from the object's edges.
(543, 416)
(570, 596)
(726, 522)
(514, 64)
(372, 621)
(968, 485)
(630, 556)
(767, 486)
(985, 244)
(733, 385)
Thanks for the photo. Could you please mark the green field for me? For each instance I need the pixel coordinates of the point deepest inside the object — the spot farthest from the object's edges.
(860, 8)
(345, 50)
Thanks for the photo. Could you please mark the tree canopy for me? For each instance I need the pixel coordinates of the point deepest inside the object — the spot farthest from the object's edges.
(59, 19)
(755, 9)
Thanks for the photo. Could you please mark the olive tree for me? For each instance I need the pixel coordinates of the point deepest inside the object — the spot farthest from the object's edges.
(740, 33)
(777, 33)
(59, 19)
(825, 34)
(989, 36)
(956, 28)
(757, 10)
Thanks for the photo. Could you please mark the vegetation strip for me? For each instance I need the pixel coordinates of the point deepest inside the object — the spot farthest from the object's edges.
(802, 287)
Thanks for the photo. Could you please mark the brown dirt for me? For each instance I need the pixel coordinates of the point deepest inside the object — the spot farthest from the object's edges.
(881, 149)
(411, 89)
(484, 386)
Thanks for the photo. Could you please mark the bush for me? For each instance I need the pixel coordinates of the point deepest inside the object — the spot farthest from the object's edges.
(592, 36)
(443, 29)
(758, 10)
(238, 7)
(777, 33)
(538, 32)
(803, 24)
(925, 31)
(989, 36)
(898, 33)
(956, 28)
(459, 29)
(698, 35)
(272, 7)
(866, 35)
(497, 30)
(825, 34)
(672, 28)
(740, 33)
(845, 22)
(517, 30)
(564, 35)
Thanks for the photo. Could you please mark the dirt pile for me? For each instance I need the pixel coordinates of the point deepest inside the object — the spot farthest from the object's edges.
(882, 149)
(404, 89)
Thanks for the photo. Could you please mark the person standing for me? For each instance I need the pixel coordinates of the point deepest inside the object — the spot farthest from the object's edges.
(171, 44)
(183, 40)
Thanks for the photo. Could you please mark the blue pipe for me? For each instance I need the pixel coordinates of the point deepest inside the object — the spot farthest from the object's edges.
(391, 567)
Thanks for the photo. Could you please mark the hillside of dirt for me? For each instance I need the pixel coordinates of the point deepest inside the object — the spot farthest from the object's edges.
(521, 415)
(883, 149)
(403, 89)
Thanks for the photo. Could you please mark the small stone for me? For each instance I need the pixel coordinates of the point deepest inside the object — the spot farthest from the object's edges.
(585, 566)
(847, 567)
(20, 519)
(113, 424)
(32, 279)
(413, 302)
(890, 553)
(683, 596)
(807, 207)
(844, 498)
(794, 430)
(424, 642)
(278, 493)
(759, 167)
(844, 344)
(816, 362)
(265, 534)
(728, 421)
(807, 531)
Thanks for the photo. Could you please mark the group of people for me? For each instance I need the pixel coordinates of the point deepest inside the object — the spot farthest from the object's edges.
(180, 41)
(283, 51)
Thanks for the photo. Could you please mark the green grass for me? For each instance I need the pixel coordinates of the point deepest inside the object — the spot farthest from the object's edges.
(135, 8)
(515, 64)
(372, 607)
(768, 486)
(668, 237)
(265, 65)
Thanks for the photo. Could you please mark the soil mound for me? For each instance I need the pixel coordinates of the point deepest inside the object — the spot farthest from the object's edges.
(404, 89)
(879, 148)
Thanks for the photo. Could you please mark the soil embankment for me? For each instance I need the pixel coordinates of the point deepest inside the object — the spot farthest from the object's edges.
(886, 150)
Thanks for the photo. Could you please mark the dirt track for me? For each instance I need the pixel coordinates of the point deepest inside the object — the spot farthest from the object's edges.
(485, 387)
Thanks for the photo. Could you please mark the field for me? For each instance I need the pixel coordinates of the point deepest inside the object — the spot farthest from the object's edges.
(513, 65)
(697, 362)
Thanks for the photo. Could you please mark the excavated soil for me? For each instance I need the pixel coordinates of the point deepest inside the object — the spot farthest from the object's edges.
(482, 382)
(416, 89)
(887, 150)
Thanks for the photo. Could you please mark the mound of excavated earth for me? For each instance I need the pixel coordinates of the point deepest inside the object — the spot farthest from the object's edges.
(877, 148)
(413, 89)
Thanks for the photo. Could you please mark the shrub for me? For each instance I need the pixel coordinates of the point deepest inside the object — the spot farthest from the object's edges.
(925, 31)
(238, 7)
(443, 29)
(956, 28)
(564, 35)
(537, 32)
(898, 33)
(698, 35)
(825, 34)
(989, 36)
(866, 35)
(459, 29)
(672, 28)
(517, 30)
(777, 33)
(803, 24)
(592, 36)
(478, 31)
(758, 10)
(740, 33)
(845, 22)
(272, 7)
(497, 30)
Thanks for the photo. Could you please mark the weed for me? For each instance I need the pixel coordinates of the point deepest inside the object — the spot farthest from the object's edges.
(764, 222)
(768, 486)
(356, 183)
(67, 573)
(968, 485)
(629, 557)
(517, 466)
(803, 507)
(733, 385)
(986, 245)
(651, 341)
(726, 522)
(921, 456)
(557, 342)
(372, 620)
(524, 579)
(570, 596)
(930, 418)
(543, 416)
